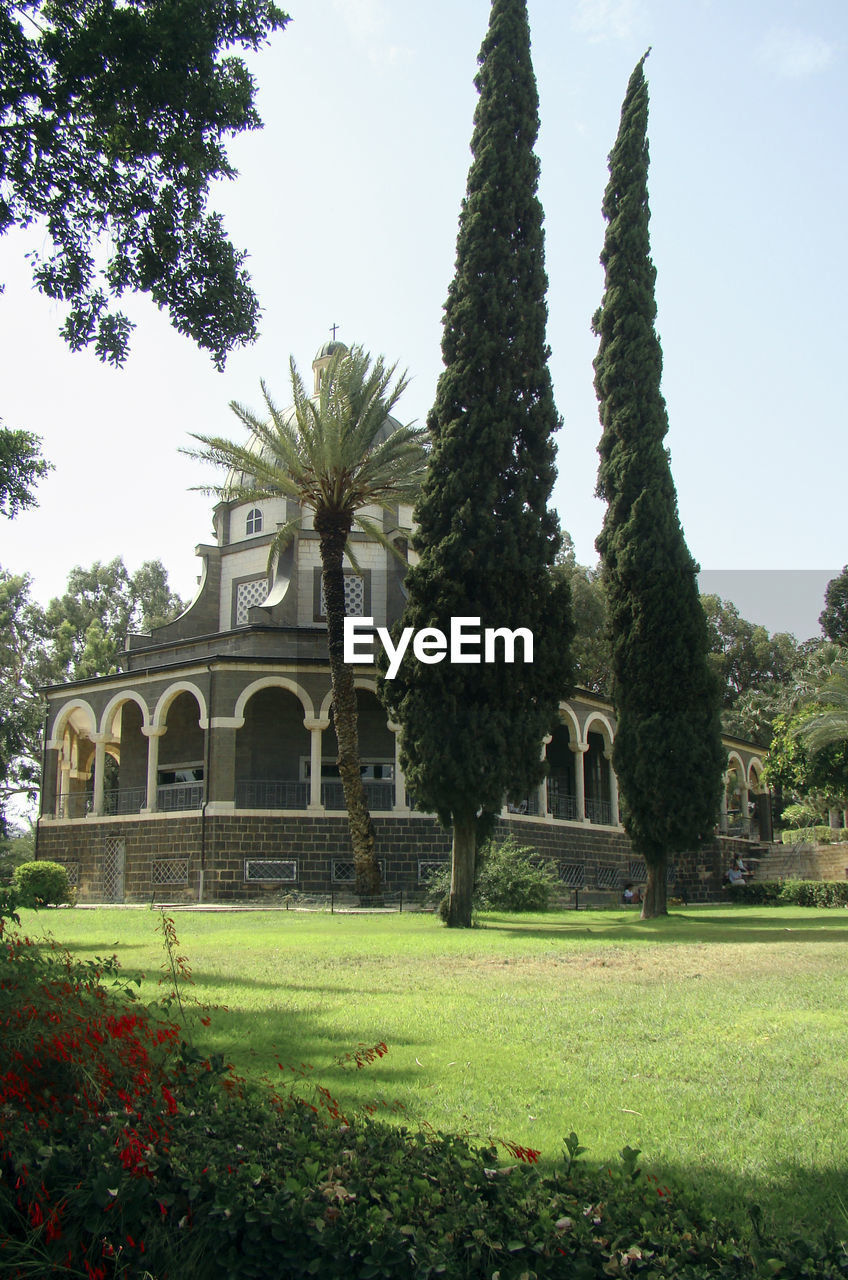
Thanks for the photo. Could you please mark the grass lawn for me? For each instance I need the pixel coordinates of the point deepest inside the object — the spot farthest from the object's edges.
(715, 1040)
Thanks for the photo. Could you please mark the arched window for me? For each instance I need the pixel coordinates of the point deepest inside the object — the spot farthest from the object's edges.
(254, 522)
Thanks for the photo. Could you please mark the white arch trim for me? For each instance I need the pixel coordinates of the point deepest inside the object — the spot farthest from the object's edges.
(597, 717)
(172, 692)
(127, 695)
(568, 719)
(61, 722)
(358, 683)
(273, 682)
(755, 766)
(734, 758)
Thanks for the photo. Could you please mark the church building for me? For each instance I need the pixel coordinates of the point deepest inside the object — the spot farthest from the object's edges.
(205, 770)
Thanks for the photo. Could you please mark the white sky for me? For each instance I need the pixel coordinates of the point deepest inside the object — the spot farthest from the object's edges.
(348, 203)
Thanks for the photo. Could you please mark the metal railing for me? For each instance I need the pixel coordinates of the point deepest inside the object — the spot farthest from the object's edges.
(74, 804)
(266, 794)
(120, 800)
(599, 811)
(562, 805)
(179, 795)
(379, 795)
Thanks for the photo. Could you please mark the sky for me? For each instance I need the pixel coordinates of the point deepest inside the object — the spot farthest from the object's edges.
(347, 202)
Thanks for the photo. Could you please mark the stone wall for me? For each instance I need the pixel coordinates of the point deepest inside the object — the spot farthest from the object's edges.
(160, 858)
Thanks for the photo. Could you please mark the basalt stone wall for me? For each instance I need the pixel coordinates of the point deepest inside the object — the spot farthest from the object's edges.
(160, 859)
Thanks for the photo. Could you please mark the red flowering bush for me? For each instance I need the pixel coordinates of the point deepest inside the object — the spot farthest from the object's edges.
(85, 1105)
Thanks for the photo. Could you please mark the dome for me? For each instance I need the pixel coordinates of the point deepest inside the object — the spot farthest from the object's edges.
(328, 349)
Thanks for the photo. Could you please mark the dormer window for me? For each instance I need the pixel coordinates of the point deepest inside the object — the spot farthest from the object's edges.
(254, 522)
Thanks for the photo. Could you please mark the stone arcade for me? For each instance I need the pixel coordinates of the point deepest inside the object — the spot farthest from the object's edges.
(206, 768)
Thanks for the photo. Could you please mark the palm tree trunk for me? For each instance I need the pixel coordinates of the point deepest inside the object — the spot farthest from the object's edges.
(333, 538)
(654, 900)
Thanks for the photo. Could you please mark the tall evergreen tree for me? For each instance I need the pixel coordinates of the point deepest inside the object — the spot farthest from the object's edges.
(486, 539)
(667, 752)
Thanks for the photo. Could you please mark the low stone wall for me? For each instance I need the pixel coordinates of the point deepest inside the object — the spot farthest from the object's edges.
(161, 858)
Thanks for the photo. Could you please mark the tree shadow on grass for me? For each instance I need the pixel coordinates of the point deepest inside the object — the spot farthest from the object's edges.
(679, 926)
(787, 1201)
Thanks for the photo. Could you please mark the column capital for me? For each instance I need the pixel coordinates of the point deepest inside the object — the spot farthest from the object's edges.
(154, 731)
(578, 747)
(312, 722)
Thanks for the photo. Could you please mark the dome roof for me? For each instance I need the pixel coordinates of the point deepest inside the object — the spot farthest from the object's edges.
(329, 348)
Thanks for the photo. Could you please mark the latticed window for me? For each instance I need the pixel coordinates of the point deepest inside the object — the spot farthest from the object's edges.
(270, 869)
(247, 595)
(354, 596)
(170, 871)
(253, 524)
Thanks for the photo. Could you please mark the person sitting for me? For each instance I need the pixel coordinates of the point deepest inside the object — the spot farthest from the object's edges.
(735, 873)
(631, 894)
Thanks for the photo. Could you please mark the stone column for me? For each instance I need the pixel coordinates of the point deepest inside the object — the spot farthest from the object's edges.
(580, 749)
(613, 786)
(542, 789)
(63, 800)
(221, 754)
(49, 798)
(152, 735)
(401, 803)
(316, 729)
(99, 763)
(722, 819)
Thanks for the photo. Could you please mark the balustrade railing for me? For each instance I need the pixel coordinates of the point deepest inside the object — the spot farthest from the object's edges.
(120, 800)
(173, 796)
(599, 811)
(379, 795)
(266, 794)
(74, 804)
(562, 805)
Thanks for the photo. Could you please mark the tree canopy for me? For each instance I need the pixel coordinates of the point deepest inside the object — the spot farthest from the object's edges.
(486, 538)
(667, 753)
(833, 619)
(21, 467)
(114, 118)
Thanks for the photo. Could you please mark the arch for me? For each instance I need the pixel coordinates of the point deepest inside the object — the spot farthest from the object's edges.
(597, 717)
(734, 763)
(359, 683)
(64, 719)
(273, 682)
(755, 774)
(173, 691)
(568, 716)
(126, 695)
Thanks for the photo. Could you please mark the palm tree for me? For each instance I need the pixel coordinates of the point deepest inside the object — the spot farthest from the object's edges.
(335, 453)
(829, 697)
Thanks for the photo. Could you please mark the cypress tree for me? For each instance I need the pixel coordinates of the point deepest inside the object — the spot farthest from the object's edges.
(667, 752)
(486, 539)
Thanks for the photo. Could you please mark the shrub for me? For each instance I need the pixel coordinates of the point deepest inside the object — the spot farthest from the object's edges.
(510, 878)
(815, 835)
(40, 883)
(798, 893)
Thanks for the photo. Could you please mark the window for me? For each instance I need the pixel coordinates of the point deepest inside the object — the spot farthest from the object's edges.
(253, 523)
(247, 594)
(354, 597)
(270, 869)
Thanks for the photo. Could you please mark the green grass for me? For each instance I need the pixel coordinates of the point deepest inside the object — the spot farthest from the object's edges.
(715, 1040)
